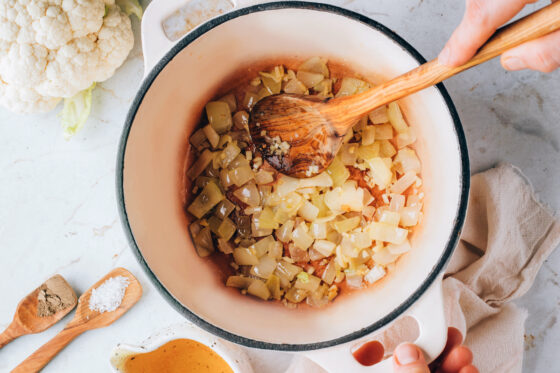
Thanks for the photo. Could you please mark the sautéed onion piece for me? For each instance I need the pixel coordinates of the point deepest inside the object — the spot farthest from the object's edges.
(296, 240)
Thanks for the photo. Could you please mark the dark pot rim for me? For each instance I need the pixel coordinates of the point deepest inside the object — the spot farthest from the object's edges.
(249, 342)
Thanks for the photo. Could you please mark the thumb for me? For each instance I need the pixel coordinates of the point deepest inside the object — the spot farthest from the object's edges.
(408, 358)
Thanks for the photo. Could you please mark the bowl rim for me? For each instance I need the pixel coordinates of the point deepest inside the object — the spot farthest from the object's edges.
(249, 342)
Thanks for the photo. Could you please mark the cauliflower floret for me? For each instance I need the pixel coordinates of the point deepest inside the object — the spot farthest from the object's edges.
(53, 49)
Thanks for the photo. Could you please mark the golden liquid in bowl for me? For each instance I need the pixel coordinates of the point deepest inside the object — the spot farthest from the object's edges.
(176, 356)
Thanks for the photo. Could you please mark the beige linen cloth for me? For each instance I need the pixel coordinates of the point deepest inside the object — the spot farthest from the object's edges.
(507, 236)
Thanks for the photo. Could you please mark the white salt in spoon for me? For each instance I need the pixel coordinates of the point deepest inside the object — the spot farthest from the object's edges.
(84, 320)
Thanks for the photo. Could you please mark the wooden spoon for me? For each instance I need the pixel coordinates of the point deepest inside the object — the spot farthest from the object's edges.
(26, 319)
(314, 128)
(84, 319)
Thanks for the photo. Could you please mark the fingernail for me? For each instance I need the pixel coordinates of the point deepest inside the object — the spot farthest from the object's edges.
(407, 354)
(445, 56)
(513, 63)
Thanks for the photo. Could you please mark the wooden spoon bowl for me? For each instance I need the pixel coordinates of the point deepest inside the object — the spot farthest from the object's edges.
(26, 319)
(315, 144)
(84, 319)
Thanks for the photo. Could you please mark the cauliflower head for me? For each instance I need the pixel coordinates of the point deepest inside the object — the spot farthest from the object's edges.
(53, 49)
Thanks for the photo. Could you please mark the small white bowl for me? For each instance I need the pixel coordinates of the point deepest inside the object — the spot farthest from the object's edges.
(233, 355)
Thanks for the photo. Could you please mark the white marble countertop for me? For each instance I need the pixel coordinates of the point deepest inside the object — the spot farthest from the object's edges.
(58, 212)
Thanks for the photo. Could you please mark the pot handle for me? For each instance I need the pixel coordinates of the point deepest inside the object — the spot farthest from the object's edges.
(154, 41)
(428, 312)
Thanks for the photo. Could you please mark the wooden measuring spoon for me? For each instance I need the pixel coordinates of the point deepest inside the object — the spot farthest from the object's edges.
(26, 319)
(314, 128)
(84, 319)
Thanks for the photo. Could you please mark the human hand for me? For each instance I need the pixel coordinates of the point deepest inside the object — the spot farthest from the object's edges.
(482, 18)
(455, 358)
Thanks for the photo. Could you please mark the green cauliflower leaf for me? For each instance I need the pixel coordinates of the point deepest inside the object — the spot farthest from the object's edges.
(76, 111)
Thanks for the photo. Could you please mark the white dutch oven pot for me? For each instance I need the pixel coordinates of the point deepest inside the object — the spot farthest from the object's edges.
(181, 77)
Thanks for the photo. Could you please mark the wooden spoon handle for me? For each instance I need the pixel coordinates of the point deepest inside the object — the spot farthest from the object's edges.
(525, 29)
(36, 361)
(12, 332)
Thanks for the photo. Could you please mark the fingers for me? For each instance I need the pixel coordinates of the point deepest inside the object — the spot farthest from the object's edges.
(468, 369)
(454, 338)
(408, 358)
(542, 54)
(457, 358)
(481, 19)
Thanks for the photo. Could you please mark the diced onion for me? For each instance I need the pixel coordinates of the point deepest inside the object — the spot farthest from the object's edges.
(375, 274)
(315, 65)
(361, 240)
(241, 175)
(294, 86)
(307, 282)
(410, 216)
(397, 202)
(383, 132)
(308, 211)
(241, 120)
(384, 257)
(324, 247)
(211, 135)
(259, 289)
(399, 249)
(329, 273)
(387, 233)
(403, 183)
(219, 116)
(248, 194)
(275, 250)
(309, 79)
(338, 172)
(379, 115)
(322, 180)
(273, 285)
(264, 177)
(389, 217)
(206, 200)
(286, 185)
(230, 100)
(264, 269)
(386, 149)
(203, 242)
(287, 271)
(367, 152)
(351, 86)
(380, 173)
(369, 135)
(406, 138)
(349, 154)
(407, 160)
(256, 230)
(262, 246)
(284, 234)
(368, 212)
(240, 282)
(354, 280)
(266, 219)
(346, 225)
(200, 165)
(296, 295)
(245, 256)
(302, 239)
(396, 118)
(318, 230)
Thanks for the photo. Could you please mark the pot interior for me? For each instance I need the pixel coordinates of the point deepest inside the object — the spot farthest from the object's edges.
(157, 145)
